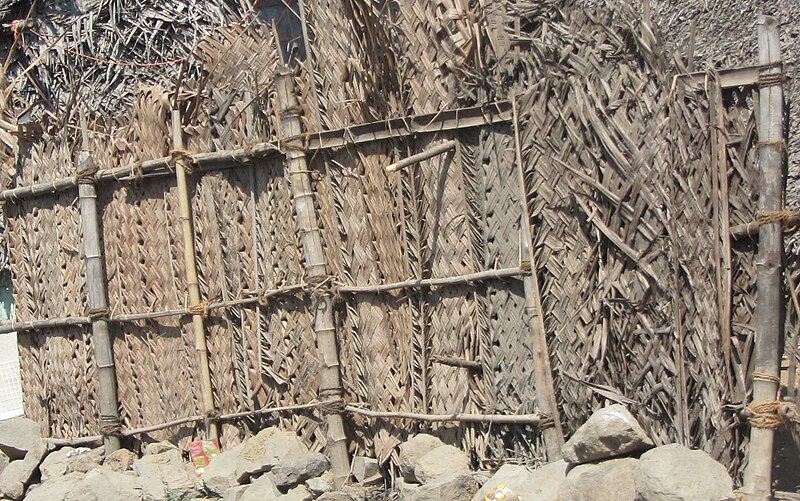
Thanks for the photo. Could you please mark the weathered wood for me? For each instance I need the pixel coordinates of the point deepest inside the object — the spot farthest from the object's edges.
(745, 76)
(330, 390)
(542, 370)
(192, 284)
(419, 157)
(750, 230)
(97, 302)
(769, 307)
(457, 362)
(435, 282)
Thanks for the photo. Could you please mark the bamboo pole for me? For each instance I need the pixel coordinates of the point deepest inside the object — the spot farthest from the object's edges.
(769, 262)
(455, 119)
(435, 282)
(542, 370)
(190, 264)
(330, 391)
(96, 299)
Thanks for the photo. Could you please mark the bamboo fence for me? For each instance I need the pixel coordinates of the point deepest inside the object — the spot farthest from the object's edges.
(501, 218)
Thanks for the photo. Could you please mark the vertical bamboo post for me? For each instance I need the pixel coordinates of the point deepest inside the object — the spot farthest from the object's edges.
(97, 297)
(190, 264)
(330, 391)
(769, 262)
(542, 370)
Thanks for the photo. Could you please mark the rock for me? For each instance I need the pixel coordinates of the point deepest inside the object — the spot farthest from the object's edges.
(412, 450)
(540, 484)
(453, 486)
(320, 485)
(119, 461)
(610, 480)
(299, 493)
(82, 459)
(262, 489)
(3, 461)
(292, 472)
(18, 474)
(235, 493)
(268, 448)
(675, 473)
(347, 493)
(441, 461)
(165, 476)
(55, 489)
(365, 468)
(55, 464)
(609, 432)
(220, 475)
(18, 436)
(158, 448)
(100, 485)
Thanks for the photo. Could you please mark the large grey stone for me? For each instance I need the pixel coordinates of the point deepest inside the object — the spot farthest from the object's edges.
(158, 448)
(55, 489)
(18, 436)
(235, 493)
(675, 473)
(268, 448)
(610, 480)
(541, 483)
(442, 461)
(17, 475)
(412, 450)
(299, 493)
(101, 485)
(449, 487)
(346, 493)
(609, 432)
(3, 461)
(291, 472)
(165, 476)
(220, 475)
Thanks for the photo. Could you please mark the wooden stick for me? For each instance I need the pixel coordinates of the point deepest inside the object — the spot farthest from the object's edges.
(96, 294)
(435, 282)
(316, 270)
(60, 442)
(791, 383)
(542, 370)
(498, 274)
(750, 230)
(531, 419)
(190, 265)
(769, 308)
(457, 362)
(724, 209)
(419, 157)
(463, 118)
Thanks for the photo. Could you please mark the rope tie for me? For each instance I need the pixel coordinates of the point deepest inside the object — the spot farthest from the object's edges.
(770, 415)
(332, 406)
(763, 376)
(201, 309)
(780, 216)
(771, 80)
(86, 171)
(184, 159)
(211, 416)
(97, 314)
(137, 172)
(525, 266)
(781, 144)
(110, 426)
(320, 286)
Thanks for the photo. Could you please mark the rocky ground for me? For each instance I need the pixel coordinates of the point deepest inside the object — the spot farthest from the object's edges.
(609, 458)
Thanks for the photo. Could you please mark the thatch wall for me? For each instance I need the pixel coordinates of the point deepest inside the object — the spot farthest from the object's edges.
(628, 208)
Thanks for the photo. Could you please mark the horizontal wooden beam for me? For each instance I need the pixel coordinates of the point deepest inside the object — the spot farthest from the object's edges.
(743, 76)
(394, 128)
(529, 419)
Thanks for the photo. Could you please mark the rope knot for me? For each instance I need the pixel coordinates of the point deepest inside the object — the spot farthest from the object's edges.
(770, 415)
(201, 309)
(110, 426)
(86, 171)
(97, 314)
(787, 217)
(184, 159)
(329, 407)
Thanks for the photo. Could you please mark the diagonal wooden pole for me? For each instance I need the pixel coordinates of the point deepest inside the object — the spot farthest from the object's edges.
(769, 262)
(192, 283)
(96, 299)
(330, 391)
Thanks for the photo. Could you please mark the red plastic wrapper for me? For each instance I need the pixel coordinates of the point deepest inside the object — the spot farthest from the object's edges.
(201, 452)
